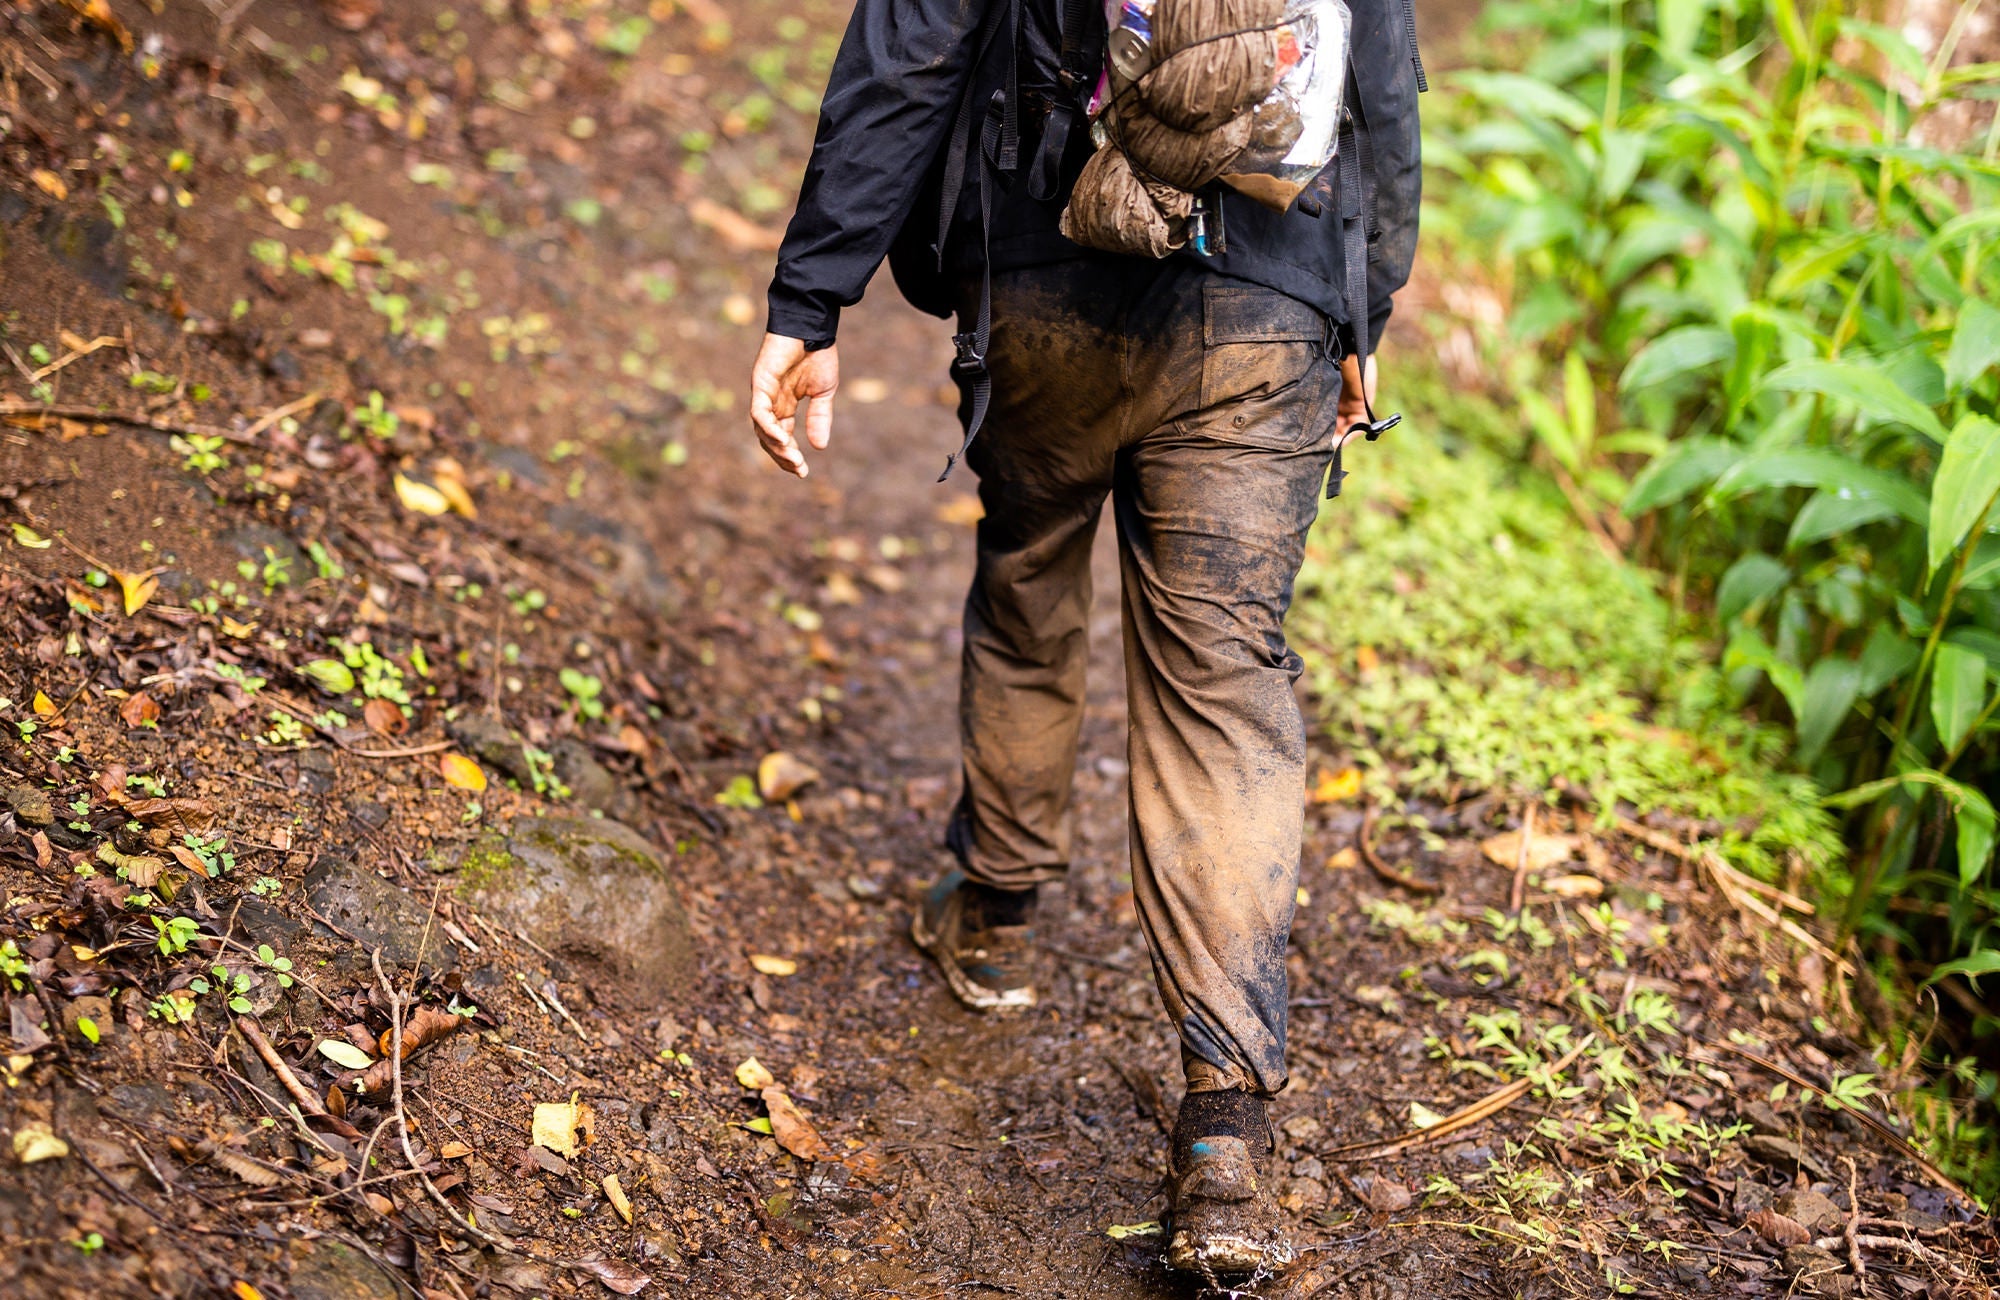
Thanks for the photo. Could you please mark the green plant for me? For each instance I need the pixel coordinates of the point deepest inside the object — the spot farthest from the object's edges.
(12, 965)
(213, 852)
(231, 987)
(202, 452)
(584, 693)
(1748, 272)
(274, 572)
(375, 418)
(175, 934)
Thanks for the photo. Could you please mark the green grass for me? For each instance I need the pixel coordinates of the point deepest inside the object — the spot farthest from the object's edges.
(1513, 653)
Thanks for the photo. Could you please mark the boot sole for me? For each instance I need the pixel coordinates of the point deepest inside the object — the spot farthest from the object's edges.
(974, 995)
(1227, 1254)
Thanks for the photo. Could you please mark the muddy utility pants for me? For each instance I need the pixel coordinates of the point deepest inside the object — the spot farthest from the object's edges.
(1203, 408)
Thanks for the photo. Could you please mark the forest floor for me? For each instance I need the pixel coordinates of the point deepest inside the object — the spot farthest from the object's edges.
(400, 618)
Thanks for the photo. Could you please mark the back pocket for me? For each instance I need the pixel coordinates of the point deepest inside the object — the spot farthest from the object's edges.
(1261, 364)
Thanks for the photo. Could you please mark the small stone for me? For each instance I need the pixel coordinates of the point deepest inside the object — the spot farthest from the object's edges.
(327, 1269)
(1300, 1128)
(377, 912)
(1809, 1209)
(31, 804)
(1784, 1153)
(1817, 1272)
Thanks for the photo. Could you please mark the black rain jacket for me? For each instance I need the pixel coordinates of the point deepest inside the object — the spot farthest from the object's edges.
(891, 103)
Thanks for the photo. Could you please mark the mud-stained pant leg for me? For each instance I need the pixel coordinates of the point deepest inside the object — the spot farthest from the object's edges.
(1212, 515)
(1044, 461)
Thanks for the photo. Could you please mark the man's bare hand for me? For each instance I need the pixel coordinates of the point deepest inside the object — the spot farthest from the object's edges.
(784, 375)
(1355, 384)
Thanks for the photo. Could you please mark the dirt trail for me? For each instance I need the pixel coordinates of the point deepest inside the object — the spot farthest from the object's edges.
(572, 213)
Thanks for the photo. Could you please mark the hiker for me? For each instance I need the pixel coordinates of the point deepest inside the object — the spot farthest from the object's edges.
(1203, 379)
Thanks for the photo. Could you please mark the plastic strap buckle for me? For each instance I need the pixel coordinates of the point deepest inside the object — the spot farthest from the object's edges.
(968, 358)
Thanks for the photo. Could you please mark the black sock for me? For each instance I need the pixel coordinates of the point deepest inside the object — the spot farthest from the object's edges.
(1231, 1113)
(993, 906)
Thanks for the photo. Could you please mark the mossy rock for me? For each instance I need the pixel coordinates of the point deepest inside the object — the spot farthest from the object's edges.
(585, 888)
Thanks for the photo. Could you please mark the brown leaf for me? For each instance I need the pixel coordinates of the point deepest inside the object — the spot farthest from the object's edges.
(616, 1274)
(793, 1130)
(244, 1167)
(1777, 1229)
(98, 14)
(181, 815)
(336, 1101)
(384, 718)
(1544, 851)
(614, 1191)
(1385, 1195)
(49, 183)
(140, 710)
(425, 1026)
(780, 776)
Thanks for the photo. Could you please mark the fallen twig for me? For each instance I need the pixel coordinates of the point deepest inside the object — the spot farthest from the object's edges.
(1382, 869)
(308, 1099)
(1491, 1104)
(1742, 891)
(1867, 1117)
(78, 350)
(270, 418)
(132, 418)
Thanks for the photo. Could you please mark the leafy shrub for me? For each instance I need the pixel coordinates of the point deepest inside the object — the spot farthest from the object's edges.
(1748, 248)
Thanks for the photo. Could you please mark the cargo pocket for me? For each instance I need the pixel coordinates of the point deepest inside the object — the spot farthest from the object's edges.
(1264, 379)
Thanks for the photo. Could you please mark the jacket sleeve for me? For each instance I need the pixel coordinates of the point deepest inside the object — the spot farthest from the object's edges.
(1385, 52)
(888, 106)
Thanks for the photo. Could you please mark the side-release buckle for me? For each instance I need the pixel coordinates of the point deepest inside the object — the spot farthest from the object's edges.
(967, 359)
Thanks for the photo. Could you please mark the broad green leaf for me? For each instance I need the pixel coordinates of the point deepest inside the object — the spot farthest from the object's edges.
(1683, 468)
(1644, 242)
(1580, 401)
(1551, 429)
(1958, 692)
(1675, 353)
(1967, 478)
(1861, 386)
(1975, 830)
(1750, 581)
(1830, 689)
(1680, 24)
(1810, 271)
(1621, 154)
(1529, 97)
(1981, 641)
(1823, 468)
(1975, 344)
(330, 675)
(1984, 962)
(1747, 649)
(1830, 514)
(1983, 569)
(1886, 658)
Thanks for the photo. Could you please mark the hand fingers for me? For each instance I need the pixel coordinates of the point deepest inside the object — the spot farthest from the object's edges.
(777, 442)
(819, 420)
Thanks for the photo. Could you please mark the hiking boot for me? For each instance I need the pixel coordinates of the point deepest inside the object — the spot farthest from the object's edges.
(984, 962)
(1225, 1217)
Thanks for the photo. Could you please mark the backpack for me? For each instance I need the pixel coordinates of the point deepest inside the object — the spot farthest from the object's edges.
(918, 254)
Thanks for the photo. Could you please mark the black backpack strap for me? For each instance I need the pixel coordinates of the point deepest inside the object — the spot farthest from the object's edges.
(969, 346)
(1077, 75)
(1416, 55)
(958, 151)
(1354, 163)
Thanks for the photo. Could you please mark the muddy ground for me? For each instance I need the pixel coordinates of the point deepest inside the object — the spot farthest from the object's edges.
(549, 560)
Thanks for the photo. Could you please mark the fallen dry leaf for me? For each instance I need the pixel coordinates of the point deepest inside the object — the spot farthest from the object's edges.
(34, 1141)
(384, 719)
(461, 773)
(868, 391)
(557, 1125)
(792, 1129)
(752, 1075)
(1777, 1229)
(614, 1192)
(138, 588)
(454, 1151)
(425, 1026)
(780, 776)
(1385, 1195)
(1333, 787)
(450, 478)
(616, 1275)
(1366, 660)
(98, 13)
(1544, 851)
(963, 510)
(421, 498)
(767, 964)
(43, 706)
(49, 183)
(1574, 886)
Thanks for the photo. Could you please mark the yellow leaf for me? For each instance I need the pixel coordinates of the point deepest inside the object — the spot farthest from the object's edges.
(34, 1141)
(421, 498)
(1122, 1231)
(451, 486)
(557, 1123)
(752, 1075)
(461, 773)
(1336, 786)
(615, 1193)
(238, 630)
(28, 537)
(767, 964)
(138, 589)
(50, 183)
(780, 776)
(244, 1291)
(43, 706)
(963, 509)
(1366, 660)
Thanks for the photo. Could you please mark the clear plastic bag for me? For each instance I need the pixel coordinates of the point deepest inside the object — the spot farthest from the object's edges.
(1295, 124)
